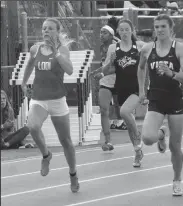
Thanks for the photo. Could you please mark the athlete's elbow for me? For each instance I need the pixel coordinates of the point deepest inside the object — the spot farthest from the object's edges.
(70, 71)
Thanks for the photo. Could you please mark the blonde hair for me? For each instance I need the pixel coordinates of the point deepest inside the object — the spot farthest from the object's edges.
(63, 38)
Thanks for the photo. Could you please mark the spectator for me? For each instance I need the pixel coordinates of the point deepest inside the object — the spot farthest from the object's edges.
(10, 138)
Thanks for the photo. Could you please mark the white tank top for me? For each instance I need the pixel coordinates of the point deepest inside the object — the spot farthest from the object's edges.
(108, 80)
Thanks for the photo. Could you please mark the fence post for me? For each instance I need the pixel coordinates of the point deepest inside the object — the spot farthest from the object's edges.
(4, 34)
(13, 35)
(75, 32)
(125, 14)
(23, 21)
(135, 19)
(132, 15)
(50, 8)
(96, 31)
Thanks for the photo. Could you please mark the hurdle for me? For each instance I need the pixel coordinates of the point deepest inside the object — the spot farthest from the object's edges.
(81, 61)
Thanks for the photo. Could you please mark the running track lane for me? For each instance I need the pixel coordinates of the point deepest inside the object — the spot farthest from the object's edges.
(106, 178)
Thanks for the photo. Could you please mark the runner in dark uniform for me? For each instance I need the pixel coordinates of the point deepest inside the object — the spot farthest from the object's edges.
(125, 58)
(164, 57)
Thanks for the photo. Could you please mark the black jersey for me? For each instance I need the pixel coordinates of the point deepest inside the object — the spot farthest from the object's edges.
(126, 66)
(163, 88)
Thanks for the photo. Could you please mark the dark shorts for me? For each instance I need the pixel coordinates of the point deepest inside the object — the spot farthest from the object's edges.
(166, 108)
(113, 90)
(123, 96)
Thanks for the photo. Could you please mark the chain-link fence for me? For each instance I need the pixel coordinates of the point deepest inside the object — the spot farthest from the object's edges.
(4, 34)
(86, 38)
(6, 50)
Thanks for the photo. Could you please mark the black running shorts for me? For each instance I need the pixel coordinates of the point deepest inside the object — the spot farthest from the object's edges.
(166, 108)
(123, 96)
(113, 90)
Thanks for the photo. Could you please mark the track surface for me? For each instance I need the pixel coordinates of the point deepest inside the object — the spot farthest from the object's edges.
(106, 178)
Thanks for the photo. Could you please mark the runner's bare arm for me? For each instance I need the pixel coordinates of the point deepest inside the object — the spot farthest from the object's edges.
(142, 66)
(108, 68)
(179, 52)
(64, 60)
(140, 44)
(110, 71)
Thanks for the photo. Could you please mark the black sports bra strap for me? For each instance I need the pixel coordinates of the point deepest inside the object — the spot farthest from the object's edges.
(172, 49)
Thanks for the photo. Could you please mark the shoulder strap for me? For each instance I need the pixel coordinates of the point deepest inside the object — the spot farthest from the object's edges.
(172, 50)
(117, 46)
(173, 44)
(38, 48)
(154, 45)
(134, 44)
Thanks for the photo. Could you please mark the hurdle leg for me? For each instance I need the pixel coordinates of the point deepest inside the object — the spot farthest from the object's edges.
(79, 110)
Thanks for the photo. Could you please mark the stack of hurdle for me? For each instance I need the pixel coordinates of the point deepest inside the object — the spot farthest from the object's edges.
(81, 61)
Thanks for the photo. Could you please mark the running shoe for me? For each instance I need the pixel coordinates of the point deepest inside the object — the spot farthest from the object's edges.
(113, 124)
(161, 144)
(74, 183)
(177, 190)
(138, 142)
(138, 157)
(45, 164)
(107, 147)
(121, 127)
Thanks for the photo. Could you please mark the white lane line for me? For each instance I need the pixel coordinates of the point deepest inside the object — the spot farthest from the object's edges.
(84, 181)
(121, 195)
(59, 154)
(81, 165)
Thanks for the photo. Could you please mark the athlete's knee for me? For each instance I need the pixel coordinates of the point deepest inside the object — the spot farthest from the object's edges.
(66, 143)
(33, 127)
(148, 139)
(175, 146)
(104, 111)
